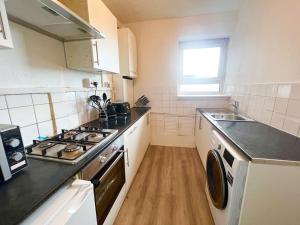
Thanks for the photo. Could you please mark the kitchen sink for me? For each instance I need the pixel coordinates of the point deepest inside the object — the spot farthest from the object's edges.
(228, 117)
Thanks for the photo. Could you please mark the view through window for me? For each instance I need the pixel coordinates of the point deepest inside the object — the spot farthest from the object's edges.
(202, 66)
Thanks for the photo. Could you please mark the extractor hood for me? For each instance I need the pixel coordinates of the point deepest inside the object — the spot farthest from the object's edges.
(51, 18)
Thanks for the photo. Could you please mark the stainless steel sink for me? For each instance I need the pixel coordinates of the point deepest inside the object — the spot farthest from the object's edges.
(228, 117)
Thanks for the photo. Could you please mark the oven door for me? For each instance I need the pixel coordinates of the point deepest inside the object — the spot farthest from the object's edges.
(216, 179)
(108, 185)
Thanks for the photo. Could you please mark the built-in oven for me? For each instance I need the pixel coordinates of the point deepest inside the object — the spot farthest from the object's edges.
(107, 173)
(108, 186)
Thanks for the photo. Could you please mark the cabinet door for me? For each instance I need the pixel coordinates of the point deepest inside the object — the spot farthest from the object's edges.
(131, 144)
(171, 125)
(105, 52)
(203, 130)
(145, 136)
(207, 131)
(132, 47)
(186, 126)
(108, 46)
(5, 36)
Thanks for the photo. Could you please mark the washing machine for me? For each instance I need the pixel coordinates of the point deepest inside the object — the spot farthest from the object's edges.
(226, 177)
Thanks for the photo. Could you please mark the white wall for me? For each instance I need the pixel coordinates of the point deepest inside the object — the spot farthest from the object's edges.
(158, 44)
(263, 71)
(266, 47)
(157, 71)
(36, 61)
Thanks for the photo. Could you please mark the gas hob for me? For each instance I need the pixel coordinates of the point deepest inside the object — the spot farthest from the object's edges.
(71, 146)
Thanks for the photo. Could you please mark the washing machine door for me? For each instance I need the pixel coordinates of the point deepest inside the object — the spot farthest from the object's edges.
(216, 179)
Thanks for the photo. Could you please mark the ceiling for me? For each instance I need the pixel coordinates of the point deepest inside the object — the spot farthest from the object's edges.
(139, 10)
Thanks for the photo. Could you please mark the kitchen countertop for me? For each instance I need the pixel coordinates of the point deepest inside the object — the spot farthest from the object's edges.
(259, 142)
(32, 186)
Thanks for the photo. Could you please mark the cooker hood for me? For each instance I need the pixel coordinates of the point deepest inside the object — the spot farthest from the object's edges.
(51, 18)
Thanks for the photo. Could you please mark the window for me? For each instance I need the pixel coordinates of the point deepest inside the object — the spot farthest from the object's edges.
(202, 67)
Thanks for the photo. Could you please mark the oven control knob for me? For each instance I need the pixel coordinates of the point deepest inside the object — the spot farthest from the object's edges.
(103, 159)
(114, 148)
(14, 142)
(17, 156)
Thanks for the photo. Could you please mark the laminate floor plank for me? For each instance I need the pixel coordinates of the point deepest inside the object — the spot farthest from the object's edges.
(167, 190)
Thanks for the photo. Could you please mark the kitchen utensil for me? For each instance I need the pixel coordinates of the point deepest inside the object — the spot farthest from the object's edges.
(142, 101)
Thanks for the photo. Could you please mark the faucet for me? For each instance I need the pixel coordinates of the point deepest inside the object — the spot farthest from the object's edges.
(236, 107)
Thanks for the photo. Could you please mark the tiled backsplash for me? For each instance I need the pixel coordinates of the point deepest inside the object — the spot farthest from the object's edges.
(165, 100)
(46, 114)
(172, 118)
(277, 105)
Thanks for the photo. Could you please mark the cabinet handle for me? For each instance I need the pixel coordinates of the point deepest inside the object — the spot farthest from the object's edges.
(97, 53)
(127, 156)
(200, 123)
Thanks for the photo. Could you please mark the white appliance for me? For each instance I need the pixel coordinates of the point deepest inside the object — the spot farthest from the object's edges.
(226, 176)
(73, 204)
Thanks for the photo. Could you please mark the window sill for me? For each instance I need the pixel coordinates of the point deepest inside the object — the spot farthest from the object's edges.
(203, 97)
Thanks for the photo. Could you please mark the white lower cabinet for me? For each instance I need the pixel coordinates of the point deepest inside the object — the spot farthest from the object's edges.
(136, 142)
(203, 137)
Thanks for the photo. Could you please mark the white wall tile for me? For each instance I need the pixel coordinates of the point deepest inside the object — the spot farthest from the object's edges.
(293, 108)
(42, 113)
(39, 99)
(269, 103)
(284, 91)
(68, 122)
(22, 116)
(3, 102)
(63, 109)
(46, 129)
(277, 120)
(4, 117)
(18, 100)
(295, 92)
(29, 133)
(291, 126)
(271, 90)
(281, 105)
(62, 97)
(266, 116)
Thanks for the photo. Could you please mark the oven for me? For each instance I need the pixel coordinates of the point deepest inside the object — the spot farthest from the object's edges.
(108, 186)
(107, 173)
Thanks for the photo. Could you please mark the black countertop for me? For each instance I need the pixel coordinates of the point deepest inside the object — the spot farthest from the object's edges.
(258, 141)
(20, 196)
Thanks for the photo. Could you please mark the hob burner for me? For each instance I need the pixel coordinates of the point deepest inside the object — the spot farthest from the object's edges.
(46, 145)
(72, 148)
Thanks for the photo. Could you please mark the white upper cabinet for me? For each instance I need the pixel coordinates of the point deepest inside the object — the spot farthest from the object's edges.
(128, 53)
(98, 54)
(5, 36)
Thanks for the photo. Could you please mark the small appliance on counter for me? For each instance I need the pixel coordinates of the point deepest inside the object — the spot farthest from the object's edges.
(122, 108)
(12, 153)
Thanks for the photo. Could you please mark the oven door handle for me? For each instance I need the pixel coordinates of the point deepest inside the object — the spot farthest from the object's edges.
(98, 181)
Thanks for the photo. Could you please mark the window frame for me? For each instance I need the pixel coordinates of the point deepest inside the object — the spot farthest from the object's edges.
(204, 43)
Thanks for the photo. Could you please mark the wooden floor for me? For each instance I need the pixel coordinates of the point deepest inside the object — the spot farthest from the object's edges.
(168, 190)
